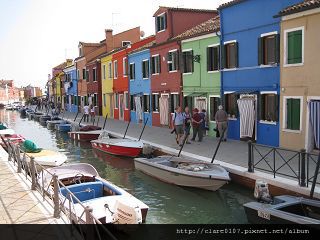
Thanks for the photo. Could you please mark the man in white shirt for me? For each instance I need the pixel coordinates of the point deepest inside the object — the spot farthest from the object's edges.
(86, 113)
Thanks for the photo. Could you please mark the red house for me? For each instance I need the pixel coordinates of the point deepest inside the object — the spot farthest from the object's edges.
(121, 78)
(166, 80)
(93, 79)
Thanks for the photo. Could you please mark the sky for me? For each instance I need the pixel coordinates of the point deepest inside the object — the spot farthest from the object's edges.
(36, 35)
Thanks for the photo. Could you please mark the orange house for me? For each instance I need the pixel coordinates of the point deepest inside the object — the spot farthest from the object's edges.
(121, 78)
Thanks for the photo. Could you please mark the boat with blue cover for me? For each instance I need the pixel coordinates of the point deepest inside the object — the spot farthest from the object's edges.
(63, 127)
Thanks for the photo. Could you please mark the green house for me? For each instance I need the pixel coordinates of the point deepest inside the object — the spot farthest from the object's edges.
(200, 69)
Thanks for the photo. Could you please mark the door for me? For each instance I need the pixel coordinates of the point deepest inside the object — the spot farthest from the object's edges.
(247, 111)
(111, 105)
(121, 106)
(164, 109)
(314, 123)
(200, 103)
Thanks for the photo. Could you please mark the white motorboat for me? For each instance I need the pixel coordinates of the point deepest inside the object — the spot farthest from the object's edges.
(184, 172)
(110, 204)
(48, 158)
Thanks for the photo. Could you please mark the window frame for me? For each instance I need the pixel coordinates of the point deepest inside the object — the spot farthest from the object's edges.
(84, 74)
(183, 62)
(128, 43)
(94, 75)
(116, 101)
(156, 56)
(148, 108)
(164, 16)
(284, 112)
(126, 100)
(277, 110)
(285, 55)
(110, 75)
(124, 67)
(132, 75)
(217, 45)
(143, 69)
(225, 68)
(225, 107)
(153, 105)
(115, 69)
(87, 75)
(209, 105)
(173, 62)
(104, 71)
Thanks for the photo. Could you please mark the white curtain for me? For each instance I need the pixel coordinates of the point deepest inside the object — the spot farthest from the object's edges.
(201, 103)
(164, 110)
(314, 109)
(247, 117)
(137, 101)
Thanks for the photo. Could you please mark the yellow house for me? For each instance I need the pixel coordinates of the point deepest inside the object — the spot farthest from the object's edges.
(58, 87)
(107, 85)
(300, 81)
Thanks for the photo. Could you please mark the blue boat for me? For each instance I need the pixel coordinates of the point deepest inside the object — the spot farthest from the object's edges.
(64, 127)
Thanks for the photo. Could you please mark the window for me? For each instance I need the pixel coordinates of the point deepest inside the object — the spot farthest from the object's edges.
(125, 43)
(231, 105)
(125, 66)
(174, 99)
(294, 46)
(115, 69)
(95, 99)
(213, 58)
(94, 75)
(269, 107)
(84, 73)
(116, 100)
(104, 72)
(268, 49)
(78, 74)
(87, 76)
(110, 69)
(132, 71)
(132, 103)
(161, 22)
(146, 103)
(172, 59)
(155, 64)
(293, 106)
(188, 102)
(126, 100)
(214, 103)
(230, 58)
(145, 69)
(187, 61)
(104, 100)
(80, 51)
(155, 102)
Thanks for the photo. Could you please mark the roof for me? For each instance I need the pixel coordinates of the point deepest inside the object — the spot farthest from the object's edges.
(299, 7)
(61, 66)
(147, 45)
(211, 25)
(229, 4)
(91, 44)
(176, 9)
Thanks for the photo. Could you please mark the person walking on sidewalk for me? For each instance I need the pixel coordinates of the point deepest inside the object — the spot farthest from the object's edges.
(204, 123)
(178, 124)
(196, 125)
(92, 112)
(187, 124)
(221, 118)
(86, 113)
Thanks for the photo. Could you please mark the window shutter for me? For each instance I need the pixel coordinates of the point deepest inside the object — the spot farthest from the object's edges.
(182, 61)
(165, 21)
(236, 55)
(289, 113)
(277, 108)
(260, 104)
(168, 58)
(277, 48)
(156, 24)
(208, 60)
(223, 57)
(159, 63)
(177, 60)
(218, 51)
(151, 65)
(260, 51)
(192, 62)
(295, 114)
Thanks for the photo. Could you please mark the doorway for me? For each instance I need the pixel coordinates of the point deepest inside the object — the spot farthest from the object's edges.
(121, 106)
(247, 104)
(164, 109)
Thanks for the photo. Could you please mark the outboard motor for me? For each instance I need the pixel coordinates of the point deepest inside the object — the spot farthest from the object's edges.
(261, 191)
(127, 214)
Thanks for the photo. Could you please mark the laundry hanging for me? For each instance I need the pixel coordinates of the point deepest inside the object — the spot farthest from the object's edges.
(164, 109)
(247, 117)
(137, 101)
(314, 109)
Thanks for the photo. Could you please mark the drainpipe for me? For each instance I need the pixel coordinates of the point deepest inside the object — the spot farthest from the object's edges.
(220, 59)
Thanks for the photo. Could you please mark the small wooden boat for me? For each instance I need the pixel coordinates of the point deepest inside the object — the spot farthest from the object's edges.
(12, 138)
(184, 172)
(110, 203)
(37, 115)
(44, 119)
(86, 133)
(49, 158)
(63, 127)
(54, 121)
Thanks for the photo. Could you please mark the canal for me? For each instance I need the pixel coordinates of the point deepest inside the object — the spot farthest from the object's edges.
(168, 203)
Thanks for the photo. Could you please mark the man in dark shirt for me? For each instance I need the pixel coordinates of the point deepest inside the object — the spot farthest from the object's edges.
(221, 118)
(196, 125)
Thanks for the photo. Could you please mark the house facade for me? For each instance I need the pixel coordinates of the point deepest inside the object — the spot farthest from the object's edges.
(93, 79)
(250, 76)
(56, 85)
(141, 106)
(107, 85)
(200, 48)
(166, 80)
(71, 88)
(300, 81)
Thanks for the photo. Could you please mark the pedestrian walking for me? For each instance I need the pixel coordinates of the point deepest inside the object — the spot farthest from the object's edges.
(204, 123)
(221, 118)
(86, 113)
(187, 124)
(92, 112)
(178, 124)
(196, 125)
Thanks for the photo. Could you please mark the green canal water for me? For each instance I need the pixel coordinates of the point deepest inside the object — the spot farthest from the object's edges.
(167, 203)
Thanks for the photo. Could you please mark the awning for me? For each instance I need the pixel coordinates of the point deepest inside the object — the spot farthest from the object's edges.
(195, 94)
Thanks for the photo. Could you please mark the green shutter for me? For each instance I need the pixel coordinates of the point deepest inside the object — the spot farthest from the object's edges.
(289, 113)
(293, 114)
(295, 47)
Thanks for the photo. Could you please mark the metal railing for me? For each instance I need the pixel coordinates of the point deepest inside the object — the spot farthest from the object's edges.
(298, 165)
(51, 193)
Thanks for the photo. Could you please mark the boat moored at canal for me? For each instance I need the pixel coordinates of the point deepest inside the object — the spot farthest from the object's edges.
(63, 127)
(184, 172)
(81, 186)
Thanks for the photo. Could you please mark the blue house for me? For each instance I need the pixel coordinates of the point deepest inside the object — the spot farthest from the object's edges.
(250, 76)
(140, 85)
(70, 87)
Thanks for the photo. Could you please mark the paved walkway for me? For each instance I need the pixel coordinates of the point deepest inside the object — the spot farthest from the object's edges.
(18, 204)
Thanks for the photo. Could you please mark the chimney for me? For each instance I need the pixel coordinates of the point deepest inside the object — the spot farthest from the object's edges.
(109, 39)
(69, 62)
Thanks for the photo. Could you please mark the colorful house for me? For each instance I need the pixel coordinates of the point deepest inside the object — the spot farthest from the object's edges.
(300, 76)
(140, 85)
(93, 78)
(71, 88)
(200, 48)
(166, 80)
(250, 78)
(55, 86)
(121, 75)
(107, 84)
